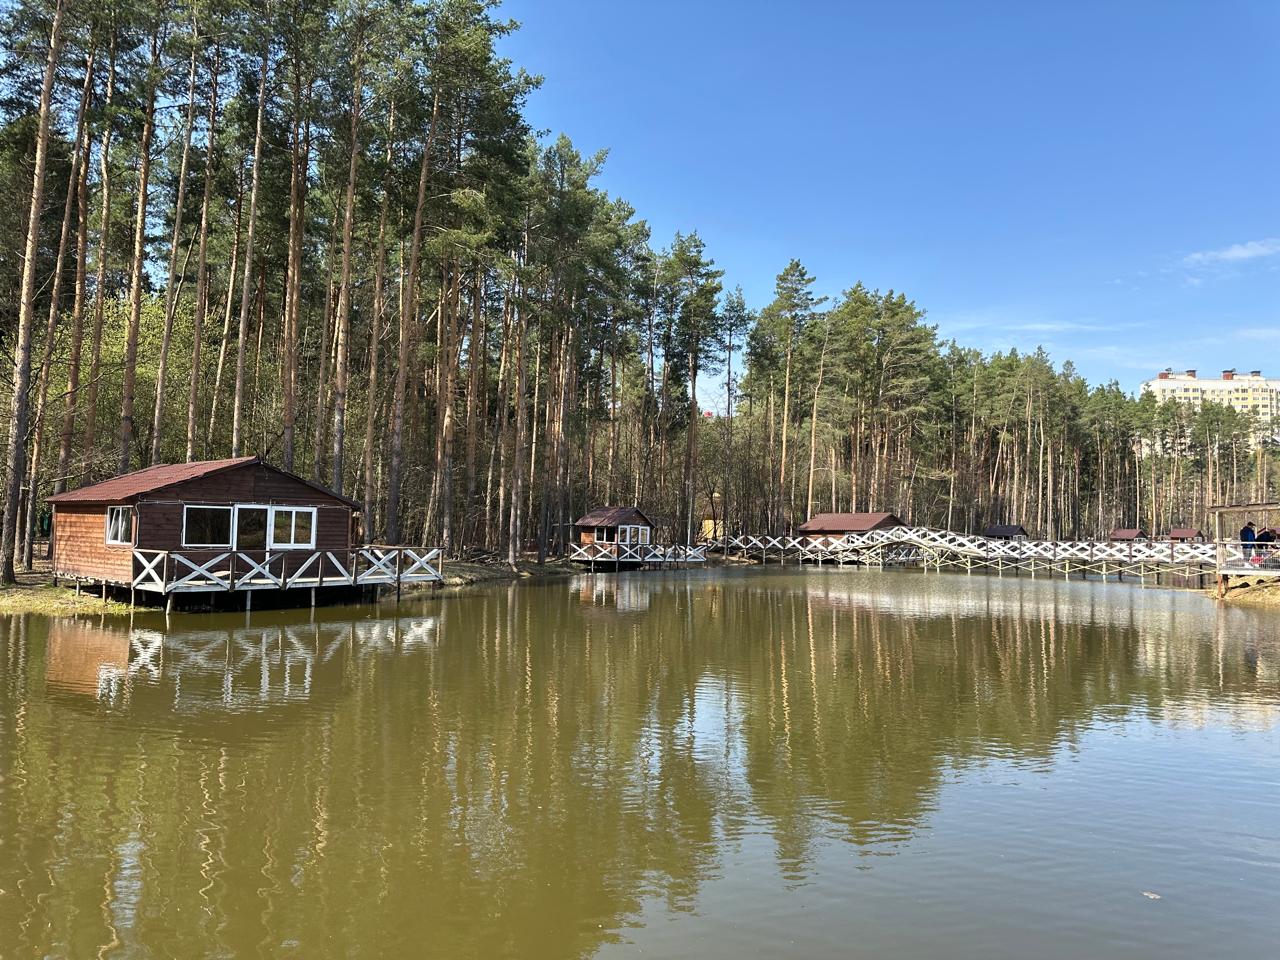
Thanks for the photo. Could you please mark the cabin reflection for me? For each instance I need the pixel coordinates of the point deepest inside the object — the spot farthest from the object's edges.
(234, 669)
(624, 593)
(85, 658)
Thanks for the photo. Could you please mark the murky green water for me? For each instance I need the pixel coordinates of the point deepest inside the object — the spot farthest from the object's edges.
(713, 765)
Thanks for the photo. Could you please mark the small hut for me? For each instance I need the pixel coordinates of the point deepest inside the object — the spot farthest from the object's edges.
(1128, 535)
(1186, 535)
(627, 526)
(822, 525)
(1005, 531)
(201, 510)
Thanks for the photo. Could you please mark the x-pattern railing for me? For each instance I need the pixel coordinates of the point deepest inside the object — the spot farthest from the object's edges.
(948, 542)
(636, 553)
(170, 571)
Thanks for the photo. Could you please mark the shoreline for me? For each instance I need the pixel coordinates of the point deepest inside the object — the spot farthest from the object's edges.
(35, 592)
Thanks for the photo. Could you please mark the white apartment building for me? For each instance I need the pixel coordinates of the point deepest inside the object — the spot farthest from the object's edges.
(1248, 393)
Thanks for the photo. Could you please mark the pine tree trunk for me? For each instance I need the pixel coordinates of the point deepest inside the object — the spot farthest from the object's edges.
(408, 308)
(170, 291)
(375, 342)
(343, 321)
(224, 344)
(127, 431)
(237, 409)
(71, 398)
(100, 289)
(301, 155)
(202, 260)
(51, 324)
(15, 455)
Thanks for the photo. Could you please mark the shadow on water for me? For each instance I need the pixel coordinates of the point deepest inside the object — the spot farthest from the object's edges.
(518, 771)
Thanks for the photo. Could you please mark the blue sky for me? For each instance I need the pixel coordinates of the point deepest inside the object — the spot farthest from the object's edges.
(1099, 178)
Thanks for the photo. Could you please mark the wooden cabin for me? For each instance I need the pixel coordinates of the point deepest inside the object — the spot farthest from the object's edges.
(1005, 531)
(202, 511)
(608, 527)
(822, 525)
(1128, 535)
(1186, 535)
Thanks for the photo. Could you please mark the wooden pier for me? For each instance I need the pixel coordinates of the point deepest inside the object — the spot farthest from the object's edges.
(609, 556)
(934, 548)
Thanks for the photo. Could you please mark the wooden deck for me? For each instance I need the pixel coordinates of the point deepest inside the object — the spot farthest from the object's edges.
(935, 548)
(211, 571)
(607, 555)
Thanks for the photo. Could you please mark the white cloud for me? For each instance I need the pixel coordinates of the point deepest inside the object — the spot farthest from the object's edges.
(1249, 250)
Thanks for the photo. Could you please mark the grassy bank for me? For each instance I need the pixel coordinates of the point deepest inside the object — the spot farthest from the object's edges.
(51, 601)
(461, 574)
(36, 592)
(1259, 593)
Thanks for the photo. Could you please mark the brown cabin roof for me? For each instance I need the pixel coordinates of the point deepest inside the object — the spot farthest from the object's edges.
(1128, 533)
(1184, 533)
(848, 522)
(130, 486)
(613, 517)
(997, 530)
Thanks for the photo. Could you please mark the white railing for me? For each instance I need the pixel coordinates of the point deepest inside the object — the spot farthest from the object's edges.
(183, 571)
(640, 553)
(945, 542)
(1240, 557)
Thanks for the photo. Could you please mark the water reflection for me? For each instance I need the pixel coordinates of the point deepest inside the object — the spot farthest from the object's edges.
(518, 772)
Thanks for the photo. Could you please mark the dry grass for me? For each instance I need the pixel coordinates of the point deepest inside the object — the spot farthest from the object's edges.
(459, 574)
(51, 601)
(1260, 593)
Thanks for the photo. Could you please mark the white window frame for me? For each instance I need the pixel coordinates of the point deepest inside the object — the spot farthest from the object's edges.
(272, 544)
(235, 524)
(231, 528)
(128, 512)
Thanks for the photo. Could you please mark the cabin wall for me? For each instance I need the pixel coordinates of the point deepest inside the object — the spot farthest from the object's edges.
(160, 524)
(80, 547)
(160, 513)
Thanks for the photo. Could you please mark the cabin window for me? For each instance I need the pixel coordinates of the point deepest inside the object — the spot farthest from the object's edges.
(606, 535)
(293, 528)
(251, 527)
(206, 526)
(120, 525)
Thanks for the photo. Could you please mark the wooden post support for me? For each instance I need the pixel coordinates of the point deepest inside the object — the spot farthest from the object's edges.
(398, 557)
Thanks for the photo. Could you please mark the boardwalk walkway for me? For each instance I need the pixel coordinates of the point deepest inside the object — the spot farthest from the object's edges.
(935, 548)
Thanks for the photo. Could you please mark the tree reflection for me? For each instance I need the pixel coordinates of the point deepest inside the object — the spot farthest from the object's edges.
(515, 772)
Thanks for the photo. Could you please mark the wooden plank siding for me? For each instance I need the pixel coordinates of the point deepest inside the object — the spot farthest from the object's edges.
(80, 547)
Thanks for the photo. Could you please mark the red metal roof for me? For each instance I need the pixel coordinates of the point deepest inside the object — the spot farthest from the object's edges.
(128, 486)
(1128, 533)
(848, 522)
(614, 517)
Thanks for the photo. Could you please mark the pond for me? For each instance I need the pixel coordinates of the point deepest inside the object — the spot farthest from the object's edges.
(713, 764)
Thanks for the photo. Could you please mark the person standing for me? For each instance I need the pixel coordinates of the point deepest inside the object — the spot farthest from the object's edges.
(1247, 539)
